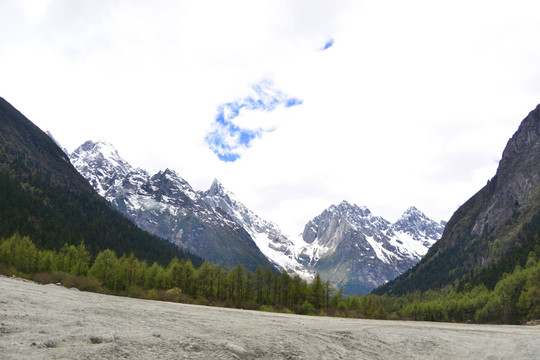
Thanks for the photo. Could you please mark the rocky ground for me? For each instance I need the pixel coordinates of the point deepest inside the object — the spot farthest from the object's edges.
(52, 322)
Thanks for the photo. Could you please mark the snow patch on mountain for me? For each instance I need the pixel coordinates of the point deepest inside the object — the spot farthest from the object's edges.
(383, 254)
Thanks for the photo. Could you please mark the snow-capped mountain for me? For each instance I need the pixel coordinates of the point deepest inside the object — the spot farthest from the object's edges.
(166, 205)
(359, 251)
(346, 244)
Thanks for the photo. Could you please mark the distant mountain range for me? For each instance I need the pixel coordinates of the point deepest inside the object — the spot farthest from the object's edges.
(346, 244)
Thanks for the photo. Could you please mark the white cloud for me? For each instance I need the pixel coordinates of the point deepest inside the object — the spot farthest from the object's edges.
(240, 122)
(411, 105)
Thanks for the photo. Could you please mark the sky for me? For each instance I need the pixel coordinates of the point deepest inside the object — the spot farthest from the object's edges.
(294, 105)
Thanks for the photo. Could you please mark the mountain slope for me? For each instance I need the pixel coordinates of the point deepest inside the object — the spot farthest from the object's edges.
(269, 239)
(166, 205)
(43, 196)
(495, 229)
(359, 251)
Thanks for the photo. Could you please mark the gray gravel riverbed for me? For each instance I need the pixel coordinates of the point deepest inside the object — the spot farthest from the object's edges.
(52, 322)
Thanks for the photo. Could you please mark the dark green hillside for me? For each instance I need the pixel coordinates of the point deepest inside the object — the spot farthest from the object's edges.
(493, 232)
(44, 197)
(222, 246)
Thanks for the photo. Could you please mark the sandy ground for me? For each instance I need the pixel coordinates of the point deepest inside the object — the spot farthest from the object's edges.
(52, 322)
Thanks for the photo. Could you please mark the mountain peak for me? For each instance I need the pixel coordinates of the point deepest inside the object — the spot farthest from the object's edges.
(169, 179)
(99, 149)
(216, 188)
(417, 225)
(97, 145)
(166, 205)
(169, 172)
(100, 163)
(266, 235)
(412, 210)
(347, 207)
(359, 251)
(411, 213)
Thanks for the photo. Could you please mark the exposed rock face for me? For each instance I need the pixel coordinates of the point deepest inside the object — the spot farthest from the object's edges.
(513, 187)
(488, 226)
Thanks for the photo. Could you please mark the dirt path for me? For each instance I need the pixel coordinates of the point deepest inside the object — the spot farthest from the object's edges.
(33, 316)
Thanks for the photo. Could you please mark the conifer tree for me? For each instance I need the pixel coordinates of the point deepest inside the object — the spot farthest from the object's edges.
(46, 262)
(82, 260)
(258, 283)
(316, 292)
(103, 267)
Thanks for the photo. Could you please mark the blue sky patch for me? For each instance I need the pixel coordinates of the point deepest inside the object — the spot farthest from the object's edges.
(328, 44)
(228, 140)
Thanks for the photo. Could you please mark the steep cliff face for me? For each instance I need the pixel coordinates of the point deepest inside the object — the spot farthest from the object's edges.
(508, 200)
(490, 225)
(513, 188)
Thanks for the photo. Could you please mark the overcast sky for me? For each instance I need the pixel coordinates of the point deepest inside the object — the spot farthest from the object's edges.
(293, 105)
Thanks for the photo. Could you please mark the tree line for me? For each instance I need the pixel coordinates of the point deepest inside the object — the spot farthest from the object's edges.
(179, 281)
(514, 299)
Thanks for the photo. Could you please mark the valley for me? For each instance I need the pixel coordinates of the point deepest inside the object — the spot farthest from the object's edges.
(55, 223)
